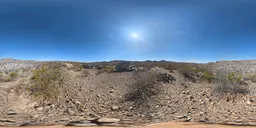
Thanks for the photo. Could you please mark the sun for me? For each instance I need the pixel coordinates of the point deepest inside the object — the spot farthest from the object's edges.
(134, 35)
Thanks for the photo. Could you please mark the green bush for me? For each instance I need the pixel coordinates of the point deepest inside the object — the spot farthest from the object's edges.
(44, 86)
(209, 76)
(229, 83)
(9, 77)
(13, 75)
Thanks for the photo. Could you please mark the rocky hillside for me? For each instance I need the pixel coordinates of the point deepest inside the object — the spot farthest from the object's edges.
(115, 93)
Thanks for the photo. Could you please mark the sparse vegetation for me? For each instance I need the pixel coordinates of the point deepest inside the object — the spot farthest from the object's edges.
(44, 85)
(229, 83)
(144, 88)
(8, 77)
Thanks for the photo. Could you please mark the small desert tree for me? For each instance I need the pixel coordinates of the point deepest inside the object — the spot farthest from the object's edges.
(44, 86)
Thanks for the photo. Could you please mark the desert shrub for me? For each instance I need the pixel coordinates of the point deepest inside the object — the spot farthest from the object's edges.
(13, 75)
(8, 77)
(1, 77)
(229, 83)
(107, 69)
(44, 86)
(124, 66)
(209, 76)
(144, 88)
(252, 78)
(192, 73)
(87, 66)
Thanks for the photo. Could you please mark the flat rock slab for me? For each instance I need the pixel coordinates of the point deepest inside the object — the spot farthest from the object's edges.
(107, 120)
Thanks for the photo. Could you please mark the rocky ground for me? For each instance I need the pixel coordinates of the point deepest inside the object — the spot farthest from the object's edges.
(90, 98)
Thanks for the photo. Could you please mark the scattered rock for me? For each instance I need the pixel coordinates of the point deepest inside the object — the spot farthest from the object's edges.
(107, 120)
(111, 91)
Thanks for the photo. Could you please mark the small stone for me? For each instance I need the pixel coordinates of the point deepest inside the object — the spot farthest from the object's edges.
(70, 112)
(11, 112)
(129, 114)
(47, 107)
(180, 117)
(39, 108)
(111, 91)
(107, 120)
(113, 108)
(248, 102)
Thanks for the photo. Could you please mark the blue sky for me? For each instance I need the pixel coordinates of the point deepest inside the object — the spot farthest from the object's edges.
(99, 30)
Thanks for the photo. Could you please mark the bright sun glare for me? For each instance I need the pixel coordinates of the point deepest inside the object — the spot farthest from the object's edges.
(134, 35)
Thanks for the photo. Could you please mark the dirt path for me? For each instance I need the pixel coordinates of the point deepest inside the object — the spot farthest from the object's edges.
(161, 125)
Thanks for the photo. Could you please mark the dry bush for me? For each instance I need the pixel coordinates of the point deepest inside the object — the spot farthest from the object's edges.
(144, 88)
(231, 83)
(44, 86)
(107, 69)
(208, 76)
(13, 75)
(252, 78)
(195, 73)
(189, 72)
(124, 66)
(8, 77)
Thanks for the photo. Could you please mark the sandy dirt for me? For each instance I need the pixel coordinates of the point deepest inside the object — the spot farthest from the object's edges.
(160, 125)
